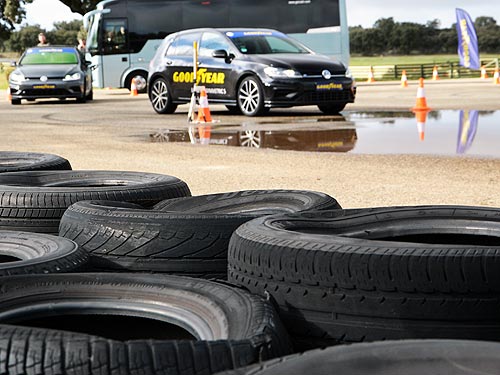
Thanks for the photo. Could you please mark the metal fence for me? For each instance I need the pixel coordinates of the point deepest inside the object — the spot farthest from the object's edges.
(448, 69)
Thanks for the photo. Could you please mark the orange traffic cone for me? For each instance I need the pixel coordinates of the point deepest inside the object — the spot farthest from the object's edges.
(204, 133)
(9, 95)
(484, 74)
(404, 79)
(421, 117)
(421, 104)
(371, 76)
(496, 77)
(203, 110)
(133, 88)
(435, 74)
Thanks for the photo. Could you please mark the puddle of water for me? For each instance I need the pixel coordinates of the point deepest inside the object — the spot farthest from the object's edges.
(474, 133)
(323, 134)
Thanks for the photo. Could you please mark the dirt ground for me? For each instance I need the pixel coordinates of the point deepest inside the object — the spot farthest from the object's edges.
(112, 133)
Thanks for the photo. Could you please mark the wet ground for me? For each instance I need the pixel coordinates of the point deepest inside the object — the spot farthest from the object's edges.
(445, 132)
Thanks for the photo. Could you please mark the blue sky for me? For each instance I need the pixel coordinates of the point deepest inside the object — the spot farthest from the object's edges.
(359, 12)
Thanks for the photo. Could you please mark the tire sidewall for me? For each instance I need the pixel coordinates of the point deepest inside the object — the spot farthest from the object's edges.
(260, 106)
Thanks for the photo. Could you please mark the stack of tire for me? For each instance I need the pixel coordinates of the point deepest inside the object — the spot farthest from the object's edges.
(111, 272)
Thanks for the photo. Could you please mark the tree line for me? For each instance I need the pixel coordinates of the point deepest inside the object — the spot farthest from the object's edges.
(385, 37)
(403, 38)
(64, 33)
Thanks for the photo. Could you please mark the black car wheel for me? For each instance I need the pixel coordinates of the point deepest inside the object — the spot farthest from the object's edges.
(90, 96)
(161, 98)
(251, 97)
(83, 98)
(15, 101)
(332, 109)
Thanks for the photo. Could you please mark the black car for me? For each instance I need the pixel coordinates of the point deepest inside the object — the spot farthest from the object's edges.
(51, 72)
(248, 70)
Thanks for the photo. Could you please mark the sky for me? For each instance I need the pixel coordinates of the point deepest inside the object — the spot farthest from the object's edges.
(359, 12)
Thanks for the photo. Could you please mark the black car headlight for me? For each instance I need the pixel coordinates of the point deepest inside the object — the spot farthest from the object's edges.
(274, 72)
(72, 77)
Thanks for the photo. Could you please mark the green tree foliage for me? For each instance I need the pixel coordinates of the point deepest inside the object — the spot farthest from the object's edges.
(64, 33)
(488, 34)
(389, 37)
(80, 6)
(24, 38)
(11, 13)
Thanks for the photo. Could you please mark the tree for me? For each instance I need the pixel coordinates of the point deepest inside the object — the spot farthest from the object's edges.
(80, 6)
(11, 12)
(24, 38)
(64, 33)
(488, 34)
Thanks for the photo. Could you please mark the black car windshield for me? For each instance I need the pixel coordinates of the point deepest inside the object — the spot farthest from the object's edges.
(43, 56)
(264, 42)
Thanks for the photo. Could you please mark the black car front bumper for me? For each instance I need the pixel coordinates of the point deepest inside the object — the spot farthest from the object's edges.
(49, 89)
(282, 93)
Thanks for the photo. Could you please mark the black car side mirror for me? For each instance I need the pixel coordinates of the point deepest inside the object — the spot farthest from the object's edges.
(220, 54)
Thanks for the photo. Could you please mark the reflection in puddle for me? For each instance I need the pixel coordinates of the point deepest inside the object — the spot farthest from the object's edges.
(475, 133)
(333, 140)
(465, 132)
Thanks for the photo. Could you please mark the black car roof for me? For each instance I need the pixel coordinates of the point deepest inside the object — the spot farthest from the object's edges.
(225, 29)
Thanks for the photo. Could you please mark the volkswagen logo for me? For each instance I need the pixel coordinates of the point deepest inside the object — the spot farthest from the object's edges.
(43, 78)
(326, 74)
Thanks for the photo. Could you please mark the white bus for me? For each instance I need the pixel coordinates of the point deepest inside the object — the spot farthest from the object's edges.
(123, 35)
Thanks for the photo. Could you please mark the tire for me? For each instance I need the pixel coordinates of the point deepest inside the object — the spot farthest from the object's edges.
(332, 109)
(11, 161)
(15, 101)
(90, 96)
(160, 97)
(251, 97)
(394, 273)
(141, 82)
(35, 201)
(228, 326)
(187, 236)
(411, 357)
(29, 253)
(83, 97)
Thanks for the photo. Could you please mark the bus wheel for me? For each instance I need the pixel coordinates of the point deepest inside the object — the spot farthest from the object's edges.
(140, 81)
(161, 98)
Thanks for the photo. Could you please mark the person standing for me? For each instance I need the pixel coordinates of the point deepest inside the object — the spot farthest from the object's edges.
(42, 40)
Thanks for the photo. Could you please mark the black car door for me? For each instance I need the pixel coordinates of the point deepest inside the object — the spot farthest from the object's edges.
(216, 73)
(179, 65)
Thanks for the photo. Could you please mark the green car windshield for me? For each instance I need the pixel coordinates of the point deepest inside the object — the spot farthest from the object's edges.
(43, 56)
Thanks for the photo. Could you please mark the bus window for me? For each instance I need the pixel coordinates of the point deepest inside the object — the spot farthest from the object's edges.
(115, 36)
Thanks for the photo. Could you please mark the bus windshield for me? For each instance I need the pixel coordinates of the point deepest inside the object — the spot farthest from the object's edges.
(93, 33)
